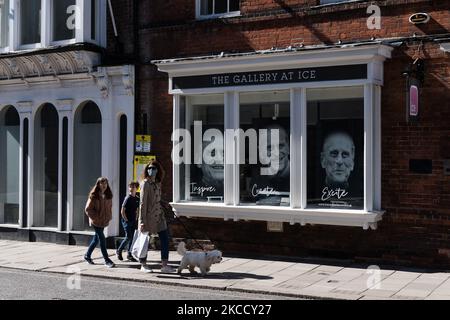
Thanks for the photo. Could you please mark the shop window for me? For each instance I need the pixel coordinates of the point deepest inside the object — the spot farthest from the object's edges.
(202, 174)
(63, 19)
(335, 149)
(214, 8)
(9, 166)
(46, 164)
(87, 164)
(30, 22)
(4, 23)
(265, 148)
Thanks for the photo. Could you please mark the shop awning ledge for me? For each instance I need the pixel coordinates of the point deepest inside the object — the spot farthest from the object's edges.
(352, 218)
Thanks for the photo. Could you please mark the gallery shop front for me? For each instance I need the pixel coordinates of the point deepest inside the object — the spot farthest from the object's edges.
(325, 103)
(64, 122)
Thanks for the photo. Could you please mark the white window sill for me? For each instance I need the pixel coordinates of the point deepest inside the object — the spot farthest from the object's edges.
(83, 233)
(63, 42)
(355, 218)
(42, 229)
(29, 47)
(219, 16)
(48, 229)
(12, 226)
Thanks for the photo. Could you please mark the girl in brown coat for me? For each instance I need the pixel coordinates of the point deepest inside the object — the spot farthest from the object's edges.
(99, 211)
(151, 217)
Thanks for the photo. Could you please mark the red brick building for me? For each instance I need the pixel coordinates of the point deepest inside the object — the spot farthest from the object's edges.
(325, 73)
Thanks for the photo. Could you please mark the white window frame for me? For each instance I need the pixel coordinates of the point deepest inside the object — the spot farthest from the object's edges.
(298, 212)
(17, 29)
(10, 26)
(82, 34)
(228, 14)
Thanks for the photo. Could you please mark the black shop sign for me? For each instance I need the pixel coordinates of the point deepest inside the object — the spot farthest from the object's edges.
(314, 74)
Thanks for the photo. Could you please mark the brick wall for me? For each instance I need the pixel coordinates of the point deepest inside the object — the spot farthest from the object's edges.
(416, 227)
(121, 47)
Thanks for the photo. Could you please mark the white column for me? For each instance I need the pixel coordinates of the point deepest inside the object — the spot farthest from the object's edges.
(377, 148)
(25, 112)
(231, 145)
(70, 154)
(175, 167)
(368, 146)
(83, 21)
(46, 19)
(304, 143)
(130, 146)
(21, 173)
(13, 26)
(110, 166)
(64, 111)
(296, 149)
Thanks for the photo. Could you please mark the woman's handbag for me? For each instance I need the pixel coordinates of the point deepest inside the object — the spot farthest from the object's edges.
(139, 249)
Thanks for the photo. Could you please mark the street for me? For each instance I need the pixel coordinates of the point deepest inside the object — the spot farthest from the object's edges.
(25, 285)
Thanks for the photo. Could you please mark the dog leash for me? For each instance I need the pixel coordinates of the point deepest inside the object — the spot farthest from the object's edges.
(168, 208)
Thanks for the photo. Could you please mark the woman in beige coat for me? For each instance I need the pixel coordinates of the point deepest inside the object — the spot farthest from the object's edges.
(151, 216)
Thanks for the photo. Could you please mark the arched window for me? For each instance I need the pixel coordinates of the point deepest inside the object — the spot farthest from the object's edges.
(9, 165)
(87, 164)
(46, 144)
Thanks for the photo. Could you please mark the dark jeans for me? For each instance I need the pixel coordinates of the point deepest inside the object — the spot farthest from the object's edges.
(164, 240)
(129, 228)
(98, 237)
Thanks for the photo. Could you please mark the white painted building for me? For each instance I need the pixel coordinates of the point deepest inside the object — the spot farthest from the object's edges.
(65, 119)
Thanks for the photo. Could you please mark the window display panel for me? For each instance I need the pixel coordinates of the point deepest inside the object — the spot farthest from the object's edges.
(202, 174)
(335, 148)
(265, 148)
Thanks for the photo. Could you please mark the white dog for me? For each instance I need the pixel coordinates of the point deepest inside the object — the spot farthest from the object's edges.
(202, 260)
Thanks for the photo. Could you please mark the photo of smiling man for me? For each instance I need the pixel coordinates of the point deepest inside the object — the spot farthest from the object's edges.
(273, 189)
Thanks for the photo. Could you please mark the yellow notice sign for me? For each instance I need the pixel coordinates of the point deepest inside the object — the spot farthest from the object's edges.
(143, 143)
(139, 165)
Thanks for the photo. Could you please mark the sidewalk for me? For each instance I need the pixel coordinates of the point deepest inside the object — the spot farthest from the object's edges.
(236, 274)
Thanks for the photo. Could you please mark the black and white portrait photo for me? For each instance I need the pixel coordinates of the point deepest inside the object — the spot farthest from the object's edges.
(335, 155)
(338, 159)
(273, 188)
(207, 177)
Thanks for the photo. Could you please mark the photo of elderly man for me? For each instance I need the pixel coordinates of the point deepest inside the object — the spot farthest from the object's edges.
(338, 159)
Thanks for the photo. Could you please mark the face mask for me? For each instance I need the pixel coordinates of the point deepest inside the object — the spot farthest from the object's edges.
(152, 171)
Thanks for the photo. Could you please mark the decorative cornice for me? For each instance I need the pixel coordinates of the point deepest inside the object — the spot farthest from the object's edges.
(47, 64)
